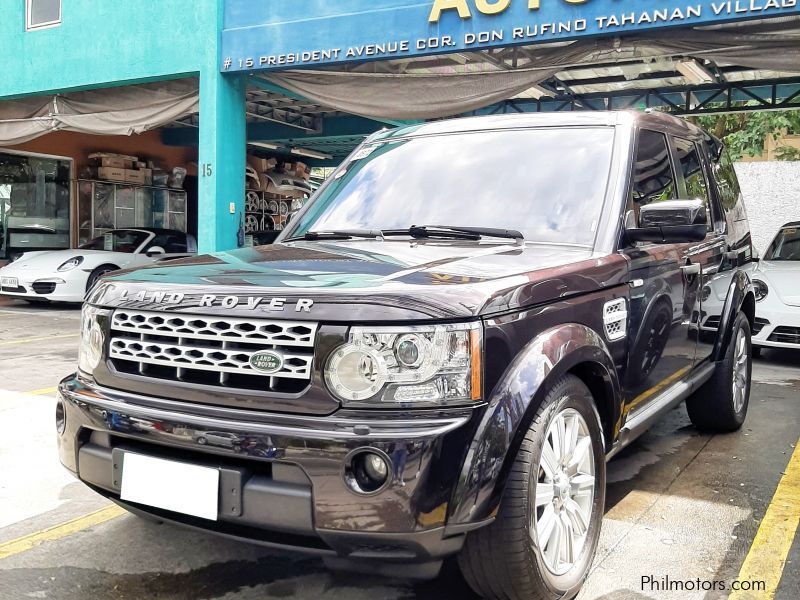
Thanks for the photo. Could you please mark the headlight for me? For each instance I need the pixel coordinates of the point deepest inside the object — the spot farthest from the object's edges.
(426, 365)
(761, 289)
(705, 294)
(92, 338)
(72, 263)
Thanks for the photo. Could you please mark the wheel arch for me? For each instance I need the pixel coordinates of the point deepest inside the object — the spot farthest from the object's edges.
(111, 266)
(570, 348)
(741, 297)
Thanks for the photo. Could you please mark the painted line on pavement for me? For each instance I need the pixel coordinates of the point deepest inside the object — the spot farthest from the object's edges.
(38, 339)
(19, 312)
(42, 392)
(767, 556)
(58, 532)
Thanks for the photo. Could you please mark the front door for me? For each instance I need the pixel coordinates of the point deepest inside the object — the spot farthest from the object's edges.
(664, 285)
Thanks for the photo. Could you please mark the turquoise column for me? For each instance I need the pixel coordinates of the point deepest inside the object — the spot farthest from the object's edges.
(222, 159)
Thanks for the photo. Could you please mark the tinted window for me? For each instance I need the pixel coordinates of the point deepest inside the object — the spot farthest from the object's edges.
(727, 183)
(692, 168)
(653, 180)
(548, 183)
(785, 246)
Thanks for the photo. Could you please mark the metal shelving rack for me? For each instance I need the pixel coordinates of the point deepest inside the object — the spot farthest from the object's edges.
(106, 205)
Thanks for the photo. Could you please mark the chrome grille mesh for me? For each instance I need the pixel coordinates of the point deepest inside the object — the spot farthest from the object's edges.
(210, 350)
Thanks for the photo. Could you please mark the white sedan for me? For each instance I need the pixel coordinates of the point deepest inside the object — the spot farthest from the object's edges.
(66, 275)
(776, 279)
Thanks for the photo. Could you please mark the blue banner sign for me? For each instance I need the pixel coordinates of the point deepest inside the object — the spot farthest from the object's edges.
(269, 35)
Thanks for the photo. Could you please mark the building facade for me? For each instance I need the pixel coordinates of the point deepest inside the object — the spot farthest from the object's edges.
(238, 94)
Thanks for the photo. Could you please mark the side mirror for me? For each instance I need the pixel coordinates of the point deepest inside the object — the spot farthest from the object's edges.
(155, 251)
(670, 222)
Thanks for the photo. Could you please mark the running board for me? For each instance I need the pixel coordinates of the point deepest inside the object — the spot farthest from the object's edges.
(641, 420)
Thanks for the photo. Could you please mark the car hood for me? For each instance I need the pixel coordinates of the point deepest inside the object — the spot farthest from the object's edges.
(51, 260)
(366, 280)
(782, 277)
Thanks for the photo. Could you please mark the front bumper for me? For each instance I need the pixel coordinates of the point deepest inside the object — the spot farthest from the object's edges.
(282, 477)
(782, 328)
(69, 286)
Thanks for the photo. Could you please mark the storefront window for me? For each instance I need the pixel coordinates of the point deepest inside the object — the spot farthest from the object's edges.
(34, 203)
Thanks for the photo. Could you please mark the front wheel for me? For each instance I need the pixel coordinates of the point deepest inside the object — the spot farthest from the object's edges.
(721, 403)
(99, 272)
(544, 538)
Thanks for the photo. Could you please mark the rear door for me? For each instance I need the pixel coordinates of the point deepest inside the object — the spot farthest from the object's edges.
(663, 287)
(713, 254)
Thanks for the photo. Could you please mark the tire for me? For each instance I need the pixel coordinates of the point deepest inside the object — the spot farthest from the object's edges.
(98, 273)
(715, 406)
(502, 560)
(650, 344)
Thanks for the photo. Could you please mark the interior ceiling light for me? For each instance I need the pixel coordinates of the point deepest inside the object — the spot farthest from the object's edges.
(264, 145)
(311, 153)
(694, 72)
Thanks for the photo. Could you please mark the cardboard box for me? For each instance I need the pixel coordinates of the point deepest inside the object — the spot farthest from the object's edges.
(116, 163)
(132, 176)
(127, 157)
(148, 176)
(111, 173)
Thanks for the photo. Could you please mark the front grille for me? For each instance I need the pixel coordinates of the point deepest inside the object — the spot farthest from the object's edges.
(44, 288)
(712, 322)
(759, 324)
(786, 335)
(211, 350)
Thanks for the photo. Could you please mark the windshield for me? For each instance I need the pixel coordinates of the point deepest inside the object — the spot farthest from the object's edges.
(117, 241)
(547, 183)
(785, 246)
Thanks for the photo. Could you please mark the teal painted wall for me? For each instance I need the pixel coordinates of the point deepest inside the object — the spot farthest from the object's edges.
(101, 42)
(106, 43)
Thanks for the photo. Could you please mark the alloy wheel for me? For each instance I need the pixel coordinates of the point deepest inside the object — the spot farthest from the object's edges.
(740, 375)
(562, 507)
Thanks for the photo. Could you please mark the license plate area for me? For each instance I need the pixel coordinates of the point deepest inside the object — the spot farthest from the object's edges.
(172, 485)
(9, 282)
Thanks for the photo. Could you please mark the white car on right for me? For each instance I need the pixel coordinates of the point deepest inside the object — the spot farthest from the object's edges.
(776, 279)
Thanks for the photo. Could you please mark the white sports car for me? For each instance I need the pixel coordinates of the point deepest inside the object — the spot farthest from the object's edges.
(66, 275)
(776, 279)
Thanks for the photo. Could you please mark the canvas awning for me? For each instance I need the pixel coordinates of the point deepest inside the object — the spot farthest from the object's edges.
(112, 111)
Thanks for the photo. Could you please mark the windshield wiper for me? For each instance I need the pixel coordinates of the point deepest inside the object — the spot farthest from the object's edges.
(461, 233)
(342, 234)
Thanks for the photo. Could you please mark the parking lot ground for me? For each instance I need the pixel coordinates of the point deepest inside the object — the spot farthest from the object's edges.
(682, 506)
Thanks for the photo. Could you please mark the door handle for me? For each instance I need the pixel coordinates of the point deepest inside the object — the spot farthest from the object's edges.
(691, 269)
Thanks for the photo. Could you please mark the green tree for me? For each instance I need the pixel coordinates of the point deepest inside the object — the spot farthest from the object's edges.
(746, 133)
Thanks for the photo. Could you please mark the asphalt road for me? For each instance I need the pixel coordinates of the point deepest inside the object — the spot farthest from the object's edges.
(681, 505)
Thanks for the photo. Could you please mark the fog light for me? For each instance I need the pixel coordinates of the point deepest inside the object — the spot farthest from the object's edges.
(61, 417)
(367, 471)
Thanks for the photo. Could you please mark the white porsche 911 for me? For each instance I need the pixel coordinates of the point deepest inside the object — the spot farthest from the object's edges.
(66, 275)
(776, 279)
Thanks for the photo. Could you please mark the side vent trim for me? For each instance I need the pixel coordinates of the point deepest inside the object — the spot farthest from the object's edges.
(615, 319)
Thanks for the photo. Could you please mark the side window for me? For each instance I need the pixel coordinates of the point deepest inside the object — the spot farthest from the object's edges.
(653, 178)
(692, 169)
(728, 185)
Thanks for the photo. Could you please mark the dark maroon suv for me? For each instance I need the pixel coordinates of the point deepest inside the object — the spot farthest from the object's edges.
(437, 357)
